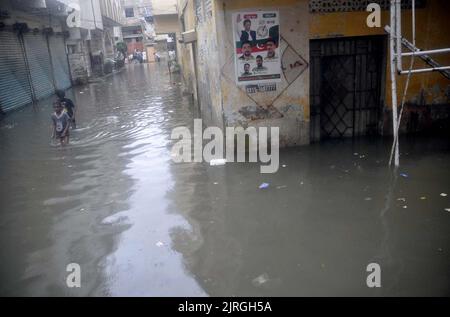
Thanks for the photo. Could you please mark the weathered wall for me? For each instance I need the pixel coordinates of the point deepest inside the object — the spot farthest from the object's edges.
(208, 67)
(166, 24)
(431, 23)
(32, 21)
(186, 57)
(287, 107)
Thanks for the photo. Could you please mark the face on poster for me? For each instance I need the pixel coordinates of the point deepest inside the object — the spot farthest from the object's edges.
(257, 52)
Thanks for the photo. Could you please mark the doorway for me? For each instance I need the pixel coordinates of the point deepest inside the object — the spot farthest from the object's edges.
(346, 86)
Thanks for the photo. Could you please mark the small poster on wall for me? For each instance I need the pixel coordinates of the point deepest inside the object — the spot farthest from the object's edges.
(257, 47)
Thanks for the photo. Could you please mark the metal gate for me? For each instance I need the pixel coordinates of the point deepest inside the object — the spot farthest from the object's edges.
(346, 86)
(15, 90)
(39, 62)
(60, 64)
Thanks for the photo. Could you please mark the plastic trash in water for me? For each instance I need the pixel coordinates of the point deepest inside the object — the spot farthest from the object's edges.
(404, 175)
(217, 162)
(443, 195)
(423, 198)
(447, 209)
(281, 187)
(264, 186)
(260, 280)
(368, 198)
(159, 244)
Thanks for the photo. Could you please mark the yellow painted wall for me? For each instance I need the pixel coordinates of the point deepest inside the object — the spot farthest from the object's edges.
(289, 105)
(432, 32)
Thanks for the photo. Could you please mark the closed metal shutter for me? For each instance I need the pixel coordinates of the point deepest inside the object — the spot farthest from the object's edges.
(39, 62)
(59, 62)
(15, 90)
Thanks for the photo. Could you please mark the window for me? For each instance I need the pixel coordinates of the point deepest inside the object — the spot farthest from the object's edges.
(129, 12)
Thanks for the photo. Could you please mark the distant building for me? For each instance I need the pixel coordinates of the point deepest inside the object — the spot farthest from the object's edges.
(167, 27)
(94, 38)
(138, 30)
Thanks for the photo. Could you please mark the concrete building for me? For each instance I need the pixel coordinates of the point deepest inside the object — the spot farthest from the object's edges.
(167, 26)
(33, 58)
(138, 30)
(93, 35)
(334, 68)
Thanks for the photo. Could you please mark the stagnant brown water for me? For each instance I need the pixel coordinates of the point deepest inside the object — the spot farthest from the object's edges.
(138, 224)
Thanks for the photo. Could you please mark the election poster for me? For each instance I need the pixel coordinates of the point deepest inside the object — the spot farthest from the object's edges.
(257, 47)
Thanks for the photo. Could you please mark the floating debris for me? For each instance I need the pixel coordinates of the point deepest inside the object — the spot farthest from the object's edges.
(281, 187)
(443, 195)
(368, 198)
(423, 198)
(404, 175)
(401, 199)
(159, 244)
(261, 280)
(264, 186)
(447, 209)
(217, 162)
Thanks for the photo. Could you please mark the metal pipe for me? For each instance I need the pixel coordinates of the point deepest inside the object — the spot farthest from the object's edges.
(427, 59)
(398, 32)
(413, 13)
(418, 53)
(394, 80)
(424, 70)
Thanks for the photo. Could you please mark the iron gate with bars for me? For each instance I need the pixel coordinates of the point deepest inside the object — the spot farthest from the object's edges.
(346, 86)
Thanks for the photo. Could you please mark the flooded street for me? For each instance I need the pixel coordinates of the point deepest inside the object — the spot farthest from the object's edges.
(139, 224)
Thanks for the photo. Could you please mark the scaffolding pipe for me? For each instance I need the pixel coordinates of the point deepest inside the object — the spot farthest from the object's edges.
(418, 53)
(405, 90)
(424, 70)
(427, 59)
(394, 79)
(398, 34)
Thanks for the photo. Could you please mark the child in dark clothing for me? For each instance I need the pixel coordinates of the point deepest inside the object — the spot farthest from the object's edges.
(68, 105)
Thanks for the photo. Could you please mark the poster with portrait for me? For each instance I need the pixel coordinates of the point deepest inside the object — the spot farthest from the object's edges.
(257, 47)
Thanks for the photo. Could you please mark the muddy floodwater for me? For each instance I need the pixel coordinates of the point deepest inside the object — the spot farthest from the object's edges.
(138, 224)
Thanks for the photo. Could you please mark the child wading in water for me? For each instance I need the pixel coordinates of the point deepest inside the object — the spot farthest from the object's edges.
(68, 105)
(61, 123)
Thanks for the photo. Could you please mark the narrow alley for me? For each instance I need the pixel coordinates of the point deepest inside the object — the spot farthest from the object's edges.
(139, 224)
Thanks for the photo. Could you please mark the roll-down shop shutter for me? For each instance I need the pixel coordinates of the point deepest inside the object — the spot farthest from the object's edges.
(59, 62)
(39, 63)
(15, 90)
